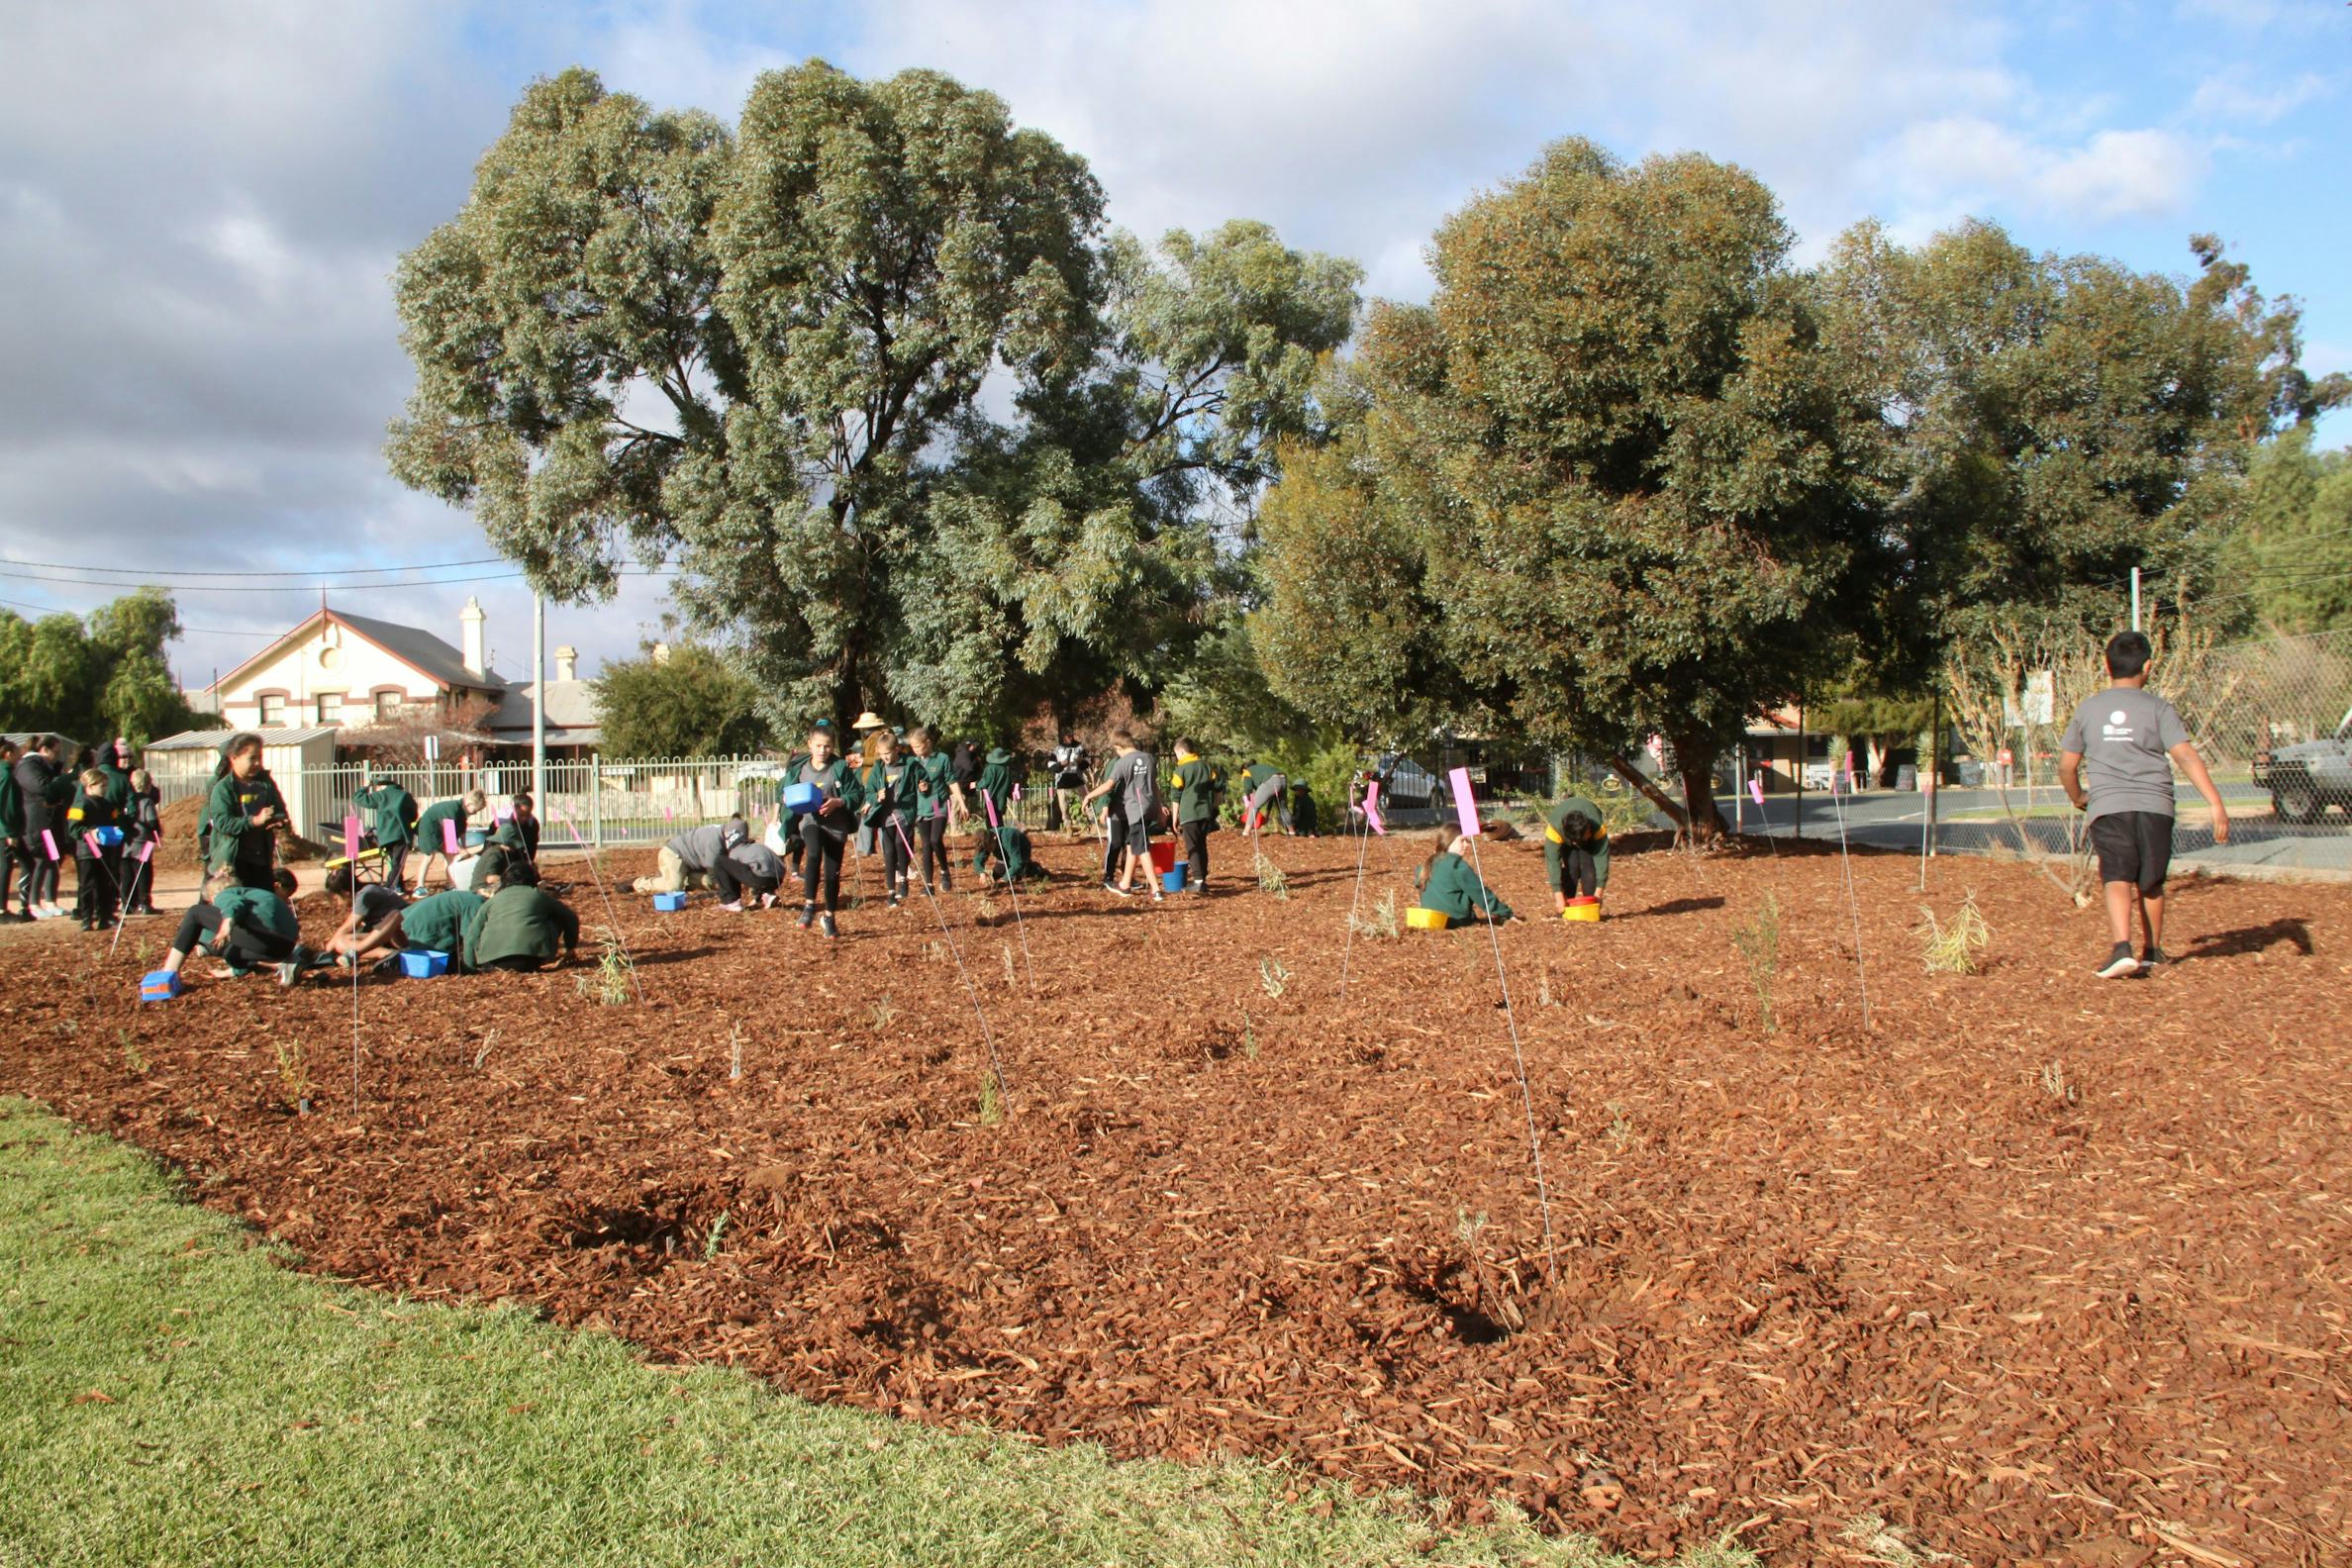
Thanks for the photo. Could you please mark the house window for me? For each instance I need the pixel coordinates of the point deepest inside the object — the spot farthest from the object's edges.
(273, 712)
(331, 709)
(387, 705)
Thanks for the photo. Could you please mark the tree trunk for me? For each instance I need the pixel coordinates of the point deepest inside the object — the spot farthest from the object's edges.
(1696, 766)
(1649, 790)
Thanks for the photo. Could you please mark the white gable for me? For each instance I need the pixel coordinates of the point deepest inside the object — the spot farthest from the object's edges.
(330, 676)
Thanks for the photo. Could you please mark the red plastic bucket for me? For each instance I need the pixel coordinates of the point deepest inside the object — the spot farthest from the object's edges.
(1163, 855)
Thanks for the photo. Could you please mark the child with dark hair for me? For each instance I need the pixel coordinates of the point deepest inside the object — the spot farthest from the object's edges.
(825, 832)
(1197, 790)
(995, 783)
(889, 784)
(42, 792)
(1450, 885)
(520, 926)
(247, 928)
(97, 863)
(389, 812)
(937, 794)
(372, 929)
(12, 830)
(2129, 738)
(746, 867)
(241, 817)
(142, 827)
(527, 824)
(434, 839)
(1133, 781)
(1575, 851)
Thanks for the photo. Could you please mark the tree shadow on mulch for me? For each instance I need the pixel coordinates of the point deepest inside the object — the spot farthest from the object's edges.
(2252, 940)
(1680, 906)
(648, 960)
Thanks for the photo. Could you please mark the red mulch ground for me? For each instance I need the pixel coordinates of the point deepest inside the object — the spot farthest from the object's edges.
(2039, 1267)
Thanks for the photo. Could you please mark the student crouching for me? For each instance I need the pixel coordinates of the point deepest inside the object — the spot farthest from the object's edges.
(1450, 885)
(247, 929)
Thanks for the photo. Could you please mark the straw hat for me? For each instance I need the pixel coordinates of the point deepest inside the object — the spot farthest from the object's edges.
(866, 721)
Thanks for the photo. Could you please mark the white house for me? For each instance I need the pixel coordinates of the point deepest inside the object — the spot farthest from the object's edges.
(572, 728)
(341, 671)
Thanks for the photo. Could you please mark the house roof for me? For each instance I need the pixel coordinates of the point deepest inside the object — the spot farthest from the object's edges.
(420, 650)
(572, 709)
(210, 739)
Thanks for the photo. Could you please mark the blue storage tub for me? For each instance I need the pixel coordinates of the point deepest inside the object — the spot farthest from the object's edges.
(107, 837)
(423, 963)
(802, 797)
(1173, 878)
(160, 986)
(669, 903)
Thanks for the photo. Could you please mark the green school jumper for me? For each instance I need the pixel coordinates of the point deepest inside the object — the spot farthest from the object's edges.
(1559, 834)
(1454, 890)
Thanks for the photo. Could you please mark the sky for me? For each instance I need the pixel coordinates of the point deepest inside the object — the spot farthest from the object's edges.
(201, 204)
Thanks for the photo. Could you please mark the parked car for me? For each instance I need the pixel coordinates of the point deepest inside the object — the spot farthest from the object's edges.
(2306, 779)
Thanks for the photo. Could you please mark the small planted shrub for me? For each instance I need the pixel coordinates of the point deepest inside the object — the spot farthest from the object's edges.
(614, 976)
(1758, 945)
(1956, 949)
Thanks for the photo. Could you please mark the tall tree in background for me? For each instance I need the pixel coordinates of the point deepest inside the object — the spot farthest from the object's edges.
(95, 681)
(2292, 557)
(761, 356)
(677, 702)
(1614, 459)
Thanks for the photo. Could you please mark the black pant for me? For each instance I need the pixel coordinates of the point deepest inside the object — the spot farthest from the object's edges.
(395, 862)
(36, 883)
(97, 883)
(10, 858)
(242, 946)
(1114, 846)
(729, 877)
(1195, 851)
(896, 859)
(930, 836)
(820, 857)
(1579, 877)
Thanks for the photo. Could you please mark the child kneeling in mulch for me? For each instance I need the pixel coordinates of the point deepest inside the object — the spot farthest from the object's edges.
(247, 929)
(1450, 886)
(519, 926)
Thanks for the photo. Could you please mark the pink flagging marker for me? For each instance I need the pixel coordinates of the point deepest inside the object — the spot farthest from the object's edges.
(51, 840)
(450, 845)
(1017, 792)
(1756, 788)
(351, 838)
(1372, 809)
(1465, 803)
(988, 803)
(146, 851)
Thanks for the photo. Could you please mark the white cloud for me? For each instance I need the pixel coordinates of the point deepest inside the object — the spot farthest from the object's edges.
(2235, 95)
(1947, 166)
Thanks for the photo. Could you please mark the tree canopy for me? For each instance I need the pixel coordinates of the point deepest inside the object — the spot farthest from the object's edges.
(2291, 560)
(867, 368)
(97, 680)
(677, 702)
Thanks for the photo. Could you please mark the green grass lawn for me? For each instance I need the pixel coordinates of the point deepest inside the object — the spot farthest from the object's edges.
(169, 1394)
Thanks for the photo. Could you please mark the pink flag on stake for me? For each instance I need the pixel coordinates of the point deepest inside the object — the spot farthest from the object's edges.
(669, 814)
(1849, 772)
(51, 840)
(351, 838)
(1465, 802)
(1756, 788)
(1372, 810)
(146, 851)
(450, 844)
(1017, 792)
(988, 802)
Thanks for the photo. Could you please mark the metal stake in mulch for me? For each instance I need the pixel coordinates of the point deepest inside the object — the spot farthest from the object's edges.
(611, 915)
(147, 852)
(1372, 825)
(996, 1069)
(351, 860)
(1853, 897)
(1011, 883)
(1466, 808)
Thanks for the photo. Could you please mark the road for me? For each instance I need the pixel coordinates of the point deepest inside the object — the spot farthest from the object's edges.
(1891, 820)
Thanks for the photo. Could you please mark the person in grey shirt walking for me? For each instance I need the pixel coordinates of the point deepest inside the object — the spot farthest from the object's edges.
(2127, 739)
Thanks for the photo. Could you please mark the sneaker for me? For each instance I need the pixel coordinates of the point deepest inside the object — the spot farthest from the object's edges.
(767, 900)
(808, 916)
(825, 923)
(2153, 959)
(1157, 896)
(2118, 963)
(733, 908)
(1113, 887)
(286, 974)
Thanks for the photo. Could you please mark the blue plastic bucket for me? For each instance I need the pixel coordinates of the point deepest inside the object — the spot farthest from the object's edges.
(669, 903)
(423, 963)
(1173, 878)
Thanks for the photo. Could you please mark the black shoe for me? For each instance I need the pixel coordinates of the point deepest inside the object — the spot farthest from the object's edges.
(1115, 889)
(825, 923)
(808, 916)
(2153, 959)
(2119, 964)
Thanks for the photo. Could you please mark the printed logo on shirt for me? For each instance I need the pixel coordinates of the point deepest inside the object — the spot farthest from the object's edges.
(2117, 727)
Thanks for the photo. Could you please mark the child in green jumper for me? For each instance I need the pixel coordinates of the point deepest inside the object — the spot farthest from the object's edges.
(1450, 886)
(1575, 851)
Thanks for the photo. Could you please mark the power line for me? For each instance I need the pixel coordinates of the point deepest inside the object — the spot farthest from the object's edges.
(346, 572)
(307, 586)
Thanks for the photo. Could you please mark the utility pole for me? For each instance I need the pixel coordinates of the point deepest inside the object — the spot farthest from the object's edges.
(538, 701)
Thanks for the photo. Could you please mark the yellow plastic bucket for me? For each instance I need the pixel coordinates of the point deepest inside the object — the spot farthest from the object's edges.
(1582, 908)
(1419, 918)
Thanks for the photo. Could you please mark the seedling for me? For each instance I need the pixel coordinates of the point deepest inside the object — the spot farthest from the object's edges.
(1758, 943)
(735, 1052)
(711, 1242)
(1249, 1043)
(1621, 1130)
(489, 1039)
(294, 1075)
(1270, 878)
(1381, 922)
(1955, 951)
(1273, 976)
(884, 1012)
(1466, 1227)
(1011, 977)
(2055, 1085)
(992, 1105)
(134, 1061)
(615, 975)
(1543, 989)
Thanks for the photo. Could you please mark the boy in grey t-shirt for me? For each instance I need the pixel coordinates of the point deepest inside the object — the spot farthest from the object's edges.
(2127, 739)
(1133, 776)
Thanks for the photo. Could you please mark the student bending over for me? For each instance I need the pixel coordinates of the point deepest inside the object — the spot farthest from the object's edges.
(247, 929)
(1575, 851)
(1450, 886)
(518, 928)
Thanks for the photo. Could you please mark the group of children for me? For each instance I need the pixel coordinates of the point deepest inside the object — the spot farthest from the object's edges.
(100, 813)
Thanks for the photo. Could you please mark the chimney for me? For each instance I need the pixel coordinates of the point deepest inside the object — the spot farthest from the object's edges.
(473, 617)
(568, 664)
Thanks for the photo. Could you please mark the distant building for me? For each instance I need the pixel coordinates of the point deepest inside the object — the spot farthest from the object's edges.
(572, 728)
(343, 671)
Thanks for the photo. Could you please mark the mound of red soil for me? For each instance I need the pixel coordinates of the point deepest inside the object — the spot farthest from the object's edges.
(2033, 1267)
